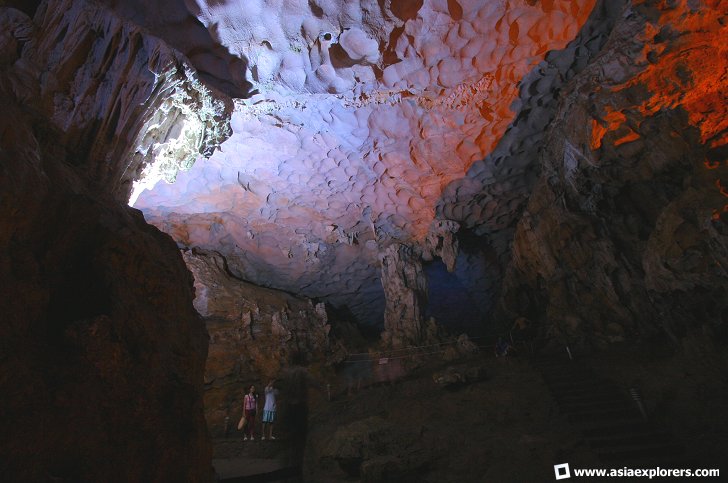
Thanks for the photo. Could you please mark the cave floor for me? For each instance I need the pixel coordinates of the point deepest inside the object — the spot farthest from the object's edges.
(268, 460)
(505, 426)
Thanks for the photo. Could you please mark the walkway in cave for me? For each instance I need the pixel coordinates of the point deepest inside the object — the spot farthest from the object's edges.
(258, 461)
(608, 417)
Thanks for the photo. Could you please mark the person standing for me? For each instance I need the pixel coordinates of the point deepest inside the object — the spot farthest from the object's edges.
(269, 410)
(250, 406)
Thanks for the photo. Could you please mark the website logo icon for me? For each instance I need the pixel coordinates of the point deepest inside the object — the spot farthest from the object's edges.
(562, 471)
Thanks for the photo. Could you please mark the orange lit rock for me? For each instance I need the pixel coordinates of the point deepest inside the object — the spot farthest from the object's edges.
(597, 133)
(637, 225)
(627, 138)
(691, 72)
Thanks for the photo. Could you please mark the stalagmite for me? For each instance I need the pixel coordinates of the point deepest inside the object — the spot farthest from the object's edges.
(405, 290)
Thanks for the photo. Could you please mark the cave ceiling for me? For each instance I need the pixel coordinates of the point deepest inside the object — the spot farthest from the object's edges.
(351, 120)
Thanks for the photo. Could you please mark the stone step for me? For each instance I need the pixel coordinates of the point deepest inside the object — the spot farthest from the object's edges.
(540, 361)
(588, 397)
(248, 470)
(573, 392)
(563, 372)
(584, 381)
(556, 372)
(609, 421)
(646, 437)
(667, 450)
(595, 404)
(605, 424)
(573, 381)
(602, 415)
(614, 428)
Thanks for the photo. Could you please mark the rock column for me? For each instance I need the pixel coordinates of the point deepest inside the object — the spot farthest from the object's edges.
(405, 291)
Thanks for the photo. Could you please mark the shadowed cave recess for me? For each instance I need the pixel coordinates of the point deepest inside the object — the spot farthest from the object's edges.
(357, 199)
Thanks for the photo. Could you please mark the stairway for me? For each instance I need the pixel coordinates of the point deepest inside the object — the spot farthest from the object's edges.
(607, 418)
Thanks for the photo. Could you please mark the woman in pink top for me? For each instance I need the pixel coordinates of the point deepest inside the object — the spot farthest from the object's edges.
(250, 405)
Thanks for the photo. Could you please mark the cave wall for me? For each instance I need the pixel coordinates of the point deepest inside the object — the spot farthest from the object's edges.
(101, 351)
(126, 103)
(624, 233)
(173, 22)
(487, 203)
(256, 334)
(405, 291)
(601, 210)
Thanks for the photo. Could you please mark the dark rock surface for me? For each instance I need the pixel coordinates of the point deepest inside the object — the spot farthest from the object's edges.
(174, 23)
(490, 200)
(101, 351)
(624, 233)
(600, 216)
(528, 414)
(375, 450)
(120, 97)
(502, 428)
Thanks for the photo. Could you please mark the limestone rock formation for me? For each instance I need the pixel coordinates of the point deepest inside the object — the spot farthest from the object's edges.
(358, 450)
(489, 200)
(364, 113)
(101, 351)
(456, 377)
(460, 127)
(405, 290)
(565, 160)
(101, 356)
(255, 334)
(442, 241)
(128, 105)
(172, 22)
(625, 233)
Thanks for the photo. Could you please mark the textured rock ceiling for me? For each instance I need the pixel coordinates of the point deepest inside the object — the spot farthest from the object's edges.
(362, 114)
